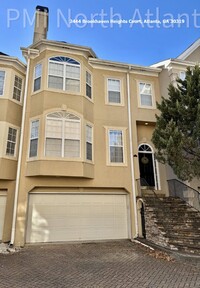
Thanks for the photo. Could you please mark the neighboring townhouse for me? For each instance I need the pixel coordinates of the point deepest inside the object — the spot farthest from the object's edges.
(171, 69)
(84, 142)
(12, 79)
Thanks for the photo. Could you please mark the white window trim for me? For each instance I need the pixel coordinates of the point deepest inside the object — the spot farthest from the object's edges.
(37, 91)
(16, 144)
(30, 126)
(92, 126)
(62, 158)
(121, 91)
(90, 99)
(64, 74)
(3, 95)
(123, 129)
(22, 89)
(181, 72)
(153, 94)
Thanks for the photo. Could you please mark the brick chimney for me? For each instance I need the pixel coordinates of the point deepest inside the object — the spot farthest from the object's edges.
(41, 23)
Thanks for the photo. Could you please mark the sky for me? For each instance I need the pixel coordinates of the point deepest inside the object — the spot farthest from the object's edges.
(175, 26)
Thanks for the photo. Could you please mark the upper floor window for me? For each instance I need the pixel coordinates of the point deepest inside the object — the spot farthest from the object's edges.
(37, 77)
(146, 98)
(63, 134)
(34, 138)
(11, 141)
(17, 88)
(114, 91)
(64, 74)
(89, 138)
(2, 78)
(88, 85)
(182, 75)
(116, 150)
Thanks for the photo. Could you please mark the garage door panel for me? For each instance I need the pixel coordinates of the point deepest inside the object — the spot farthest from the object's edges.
(56, 217)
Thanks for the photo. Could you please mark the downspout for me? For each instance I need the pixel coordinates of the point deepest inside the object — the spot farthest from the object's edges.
(20, 155)
(131, 154)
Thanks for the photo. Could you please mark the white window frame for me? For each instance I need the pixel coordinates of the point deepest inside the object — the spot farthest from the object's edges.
(10, 141)
(89, 84)
(34, 137)
(124, 146)
(182, 75)
(121, 103)
(153, 106)
(21, 90)
(88, 141)
(63, 120)
(3, 88)
(36, 78)
(64, 75)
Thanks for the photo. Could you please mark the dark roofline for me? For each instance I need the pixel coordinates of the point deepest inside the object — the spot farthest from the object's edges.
(3, 54)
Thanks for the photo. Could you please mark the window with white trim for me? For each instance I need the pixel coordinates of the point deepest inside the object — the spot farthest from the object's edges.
(11, 141)
(64, 74)
(37, 77)
(182, 75)
(34, 138)
(2, 79)
(89, 138)
(88, 85)
(146, 98)
(114, 91)
(116, 149)
(17, 88)
(63, 134)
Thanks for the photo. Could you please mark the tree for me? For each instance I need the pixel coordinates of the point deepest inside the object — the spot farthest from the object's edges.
(177, 132)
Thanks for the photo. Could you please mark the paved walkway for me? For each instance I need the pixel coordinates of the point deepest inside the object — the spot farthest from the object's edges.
(113, 264)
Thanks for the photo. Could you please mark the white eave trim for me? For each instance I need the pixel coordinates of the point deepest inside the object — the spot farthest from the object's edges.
(12, 61)
(165, 64)
(63, 45)
(189, 50)
(106, 64)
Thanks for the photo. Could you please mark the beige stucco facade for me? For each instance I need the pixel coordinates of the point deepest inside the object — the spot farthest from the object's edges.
(119, 113)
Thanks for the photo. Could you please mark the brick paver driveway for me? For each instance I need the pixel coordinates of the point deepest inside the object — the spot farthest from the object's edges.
(111, 264)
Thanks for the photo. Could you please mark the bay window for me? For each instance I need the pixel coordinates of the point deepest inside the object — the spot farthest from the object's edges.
(64, 74)
(63, 134)
(2, 79)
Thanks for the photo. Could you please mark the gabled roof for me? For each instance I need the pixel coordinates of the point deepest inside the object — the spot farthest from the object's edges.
(189, 50)
(168, 62)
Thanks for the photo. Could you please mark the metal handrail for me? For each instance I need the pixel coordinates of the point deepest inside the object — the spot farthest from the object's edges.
(184, 192)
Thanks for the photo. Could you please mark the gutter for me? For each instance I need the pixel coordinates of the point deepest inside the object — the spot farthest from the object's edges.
(131, 155)
(13, 230)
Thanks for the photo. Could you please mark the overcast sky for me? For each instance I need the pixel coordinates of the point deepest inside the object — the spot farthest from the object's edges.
(176, 25)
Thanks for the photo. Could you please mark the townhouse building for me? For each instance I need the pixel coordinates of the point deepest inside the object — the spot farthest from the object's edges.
(76, 141)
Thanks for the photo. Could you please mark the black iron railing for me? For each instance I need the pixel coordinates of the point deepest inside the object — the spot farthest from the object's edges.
(184, 192)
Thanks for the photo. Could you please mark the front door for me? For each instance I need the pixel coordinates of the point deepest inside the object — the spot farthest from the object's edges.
(146, 165)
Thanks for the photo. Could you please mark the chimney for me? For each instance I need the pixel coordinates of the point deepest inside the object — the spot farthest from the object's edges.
(41, 23)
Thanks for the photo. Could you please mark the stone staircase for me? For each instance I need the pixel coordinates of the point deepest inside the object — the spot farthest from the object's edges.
(171, 223)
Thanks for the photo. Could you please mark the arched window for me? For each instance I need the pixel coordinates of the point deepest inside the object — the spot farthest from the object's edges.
(64, 74)
(145, 148)
(63, 134)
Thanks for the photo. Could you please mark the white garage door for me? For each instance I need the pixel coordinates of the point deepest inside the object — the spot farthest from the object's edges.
(2, 213)
(72, 217)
